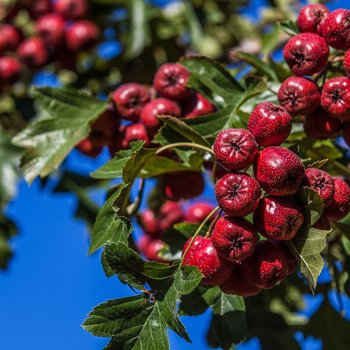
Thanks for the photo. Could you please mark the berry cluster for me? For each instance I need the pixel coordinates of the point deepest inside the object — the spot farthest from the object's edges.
(325, 109)
(60, 33)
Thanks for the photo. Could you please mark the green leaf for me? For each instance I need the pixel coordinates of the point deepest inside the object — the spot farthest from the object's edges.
(289, 27)
(49, 140)
(228, 325)
(311, 204)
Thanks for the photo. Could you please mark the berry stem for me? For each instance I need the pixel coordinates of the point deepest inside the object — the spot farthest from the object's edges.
(185, 144)
(199, 230)
(212, 224)
(134, 207)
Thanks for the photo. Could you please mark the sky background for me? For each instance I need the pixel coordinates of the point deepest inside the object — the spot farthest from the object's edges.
(52, 284)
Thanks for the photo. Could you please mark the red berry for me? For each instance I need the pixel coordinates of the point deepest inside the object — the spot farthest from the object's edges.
(33, 52)
(340, 205)
(320, 182)
(170, 214)
(278, 218)
(234, 238)
(130, 133)
(50, 28)
(336, 29)
(311, 17)
(279, 171)
(237, 194)
(306, 54)
(268, 265)
(299, 95)
(204, 256)
(150, 223)
(320, 125)
(10, 70)
(292, 260)
(71, 9)
(197, 212)
(346, 63)
(157, 107)
(335, 98)
(129, 100)
(170, 81)
(235, 149)
(322, 223)
(196, 105)
(88, 147)
(151, 248)
(38, 8)
(270, 124)
(9, 38)
(238, 284)
(82, 35)
(183, 185)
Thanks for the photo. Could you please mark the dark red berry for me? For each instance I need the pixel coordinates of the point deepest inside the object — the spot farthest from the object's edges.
(183, 185)
(50, 28)
(299, 95)
(340, 205)
(278, 218)
(336, 29)
(155, 108)
(196, 105)
(320, 182)
(129, 100)
(279, 171)
(306, 54)
(237, 194)
(335, 98)
(33, 52)
(322, 223)
(268, 265)
(292, 260)
(88, 147)
(71, 9)
(170, 81)
(311, 17)
(170, 214)
(270, 124)
(38, 8)
(235, 149)
(150, 223)
(105, 130)
(10, 70)
(82, 35)
(204, 256)
(197, 212)
(238, 284)
(9, 38)
(234, 238)
(320, 125)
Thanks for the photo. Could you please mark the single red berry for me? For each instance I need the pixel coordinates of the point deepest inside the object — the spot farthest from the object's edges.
(235, 149)
(197, 212)
(33, 52)
(71, 9)
(170, 214)
(279, 171)
(82, 35)
(268, 265)
(320, 125)
(183, 185)
(278, 218)
(204, 256)
(346, 132)
(300, 96)
(50, 28)
(170, 81)
(237, 194)
(155, 108)
(306, 54)
(335, 97)
(238, 284)
(196, 105)
(88, 147)
(9, 38)
(270, 124)
(150, 223)
(131, 133)
(38, 8)
(10, 70)
(234, 238)
(336, 29)
(311, 18)
(151, 247)
(340, 205)
(129, 100)
(320, 182)
(322, 223)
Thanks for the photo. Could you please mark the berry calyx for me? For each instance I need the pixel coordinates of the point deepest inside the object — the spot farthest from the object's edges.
(234, 238)
(311, 18)
(197, 212)
(235, 149)
(279, 171)
(82, 35)
(278, 218)
(33, 52)
(237, 194)
(71, 9)
(196, 105)
(270, 124)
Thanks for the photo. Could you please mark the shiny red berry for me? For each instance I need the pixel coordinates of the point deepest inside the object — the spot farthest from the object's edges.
(300, 96)
(150, 223)
(10, 70)
(71, 9)
(279, 171)
(171, 213)
(306, 54)
(197, 212)
(196, 105)
(237, 194)
(9, 38)
(33, 52)
(82, 35)
(270, 124)
(311, 18)
(51, 29)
